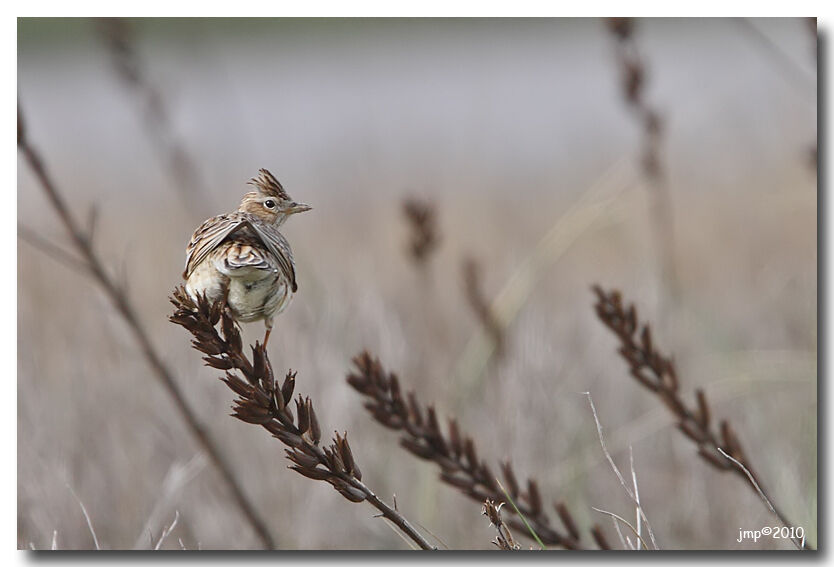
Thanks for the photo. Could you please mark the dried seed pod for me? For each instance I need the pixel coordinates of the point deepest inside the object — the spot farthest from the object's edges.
(219, 363)
(315, 474)
(599, 537)
(567, 519)
(458, 481)
(533, 498)
(237, 385)
(251, 415)
(646, 339)
(288, 386)
(352, 494)
(334, 459)
(302, 459)
(303, 418)
(702, 415)
(454, 438)
(696, 434)
(210, 347)
(315, 429)
(345, 453)
(262, 398)
(487, 478)
(417, 448)
(258, 363)
(469, 452)
(415, 413)
(394, 388)
(490, 510)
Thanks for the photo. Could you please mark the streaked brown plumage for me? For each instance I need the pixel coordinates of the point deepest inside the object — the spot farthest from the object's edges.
(243, 256)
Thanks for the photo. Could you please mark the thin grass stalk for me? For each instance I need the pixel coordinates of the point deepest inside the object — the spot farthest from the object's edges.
(631, 494)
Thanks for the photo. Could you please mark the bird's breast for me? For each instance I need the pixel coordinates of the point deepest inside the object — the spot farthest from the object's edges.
(252, 299)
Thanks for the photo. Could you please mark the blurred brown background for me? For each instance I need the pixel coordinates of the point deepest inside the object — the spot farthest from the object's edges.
(504, 125)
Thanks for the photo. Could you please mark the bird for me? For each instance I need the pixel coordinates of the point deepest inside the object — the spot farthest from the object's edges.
(242, 259)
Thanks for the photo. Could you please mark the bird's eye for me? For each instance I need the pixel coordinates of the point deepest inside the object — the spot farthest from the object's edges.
(269, 204)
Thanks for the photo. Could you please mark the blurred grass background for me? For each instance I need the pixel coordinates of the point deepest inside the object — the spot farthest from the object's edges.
(504, 124)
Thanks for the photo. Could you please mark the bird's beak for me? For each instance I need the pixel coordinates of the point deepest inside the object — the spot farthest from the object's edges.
(298, 208)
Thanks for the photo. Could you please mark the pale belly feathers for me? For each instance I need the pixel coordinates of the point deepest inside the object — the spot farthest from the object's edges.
(253, 293)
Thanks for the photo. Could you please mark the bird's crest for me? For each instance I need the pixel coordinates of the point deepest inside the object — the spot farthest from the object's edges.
(266, 183)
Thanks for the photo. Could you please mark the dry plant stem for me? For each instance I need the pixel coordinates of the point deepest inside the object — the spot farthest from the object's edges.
(633, 73)
(657, 373)
(175, 480)
(480, 305)
(504, 540)
(87, 518)
(626, 522)
(262, 401)
(456, 455)
(167, 531)
(799, 543)
(632, 495)
(95, 267)
(117, 35)
(638, 508)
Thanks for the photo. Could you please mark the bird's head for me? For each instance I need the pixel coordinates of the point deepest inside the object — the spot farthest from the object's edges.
(270, 202)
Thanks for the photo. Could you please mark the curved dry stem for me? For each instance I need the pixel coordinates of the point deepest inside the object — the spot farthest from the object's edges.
(262, 401)
(83, 243)
(616, 470)
(624, 521)
(722, 449)
(456, 455)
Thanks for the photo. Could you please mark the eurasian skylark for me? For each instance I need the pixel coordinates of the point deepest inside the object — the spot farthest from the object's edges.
(243, 258)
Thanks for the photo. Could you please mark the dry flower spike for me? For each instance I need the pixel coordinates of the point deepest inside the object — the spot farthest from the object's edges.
(261, 400)
(456, 455)
(657, 373)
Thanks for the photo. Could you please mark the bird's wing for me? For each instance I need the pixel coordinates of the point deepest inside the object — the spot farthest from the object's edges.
(206, 238)
(239, 258)
(279, 247)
